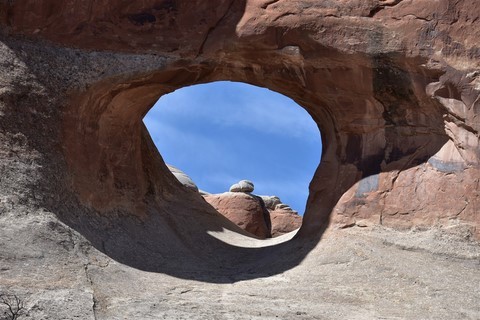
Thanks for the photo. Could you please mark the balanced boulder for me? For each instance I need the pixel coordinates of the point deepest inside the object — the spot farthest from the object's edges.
(242, 186)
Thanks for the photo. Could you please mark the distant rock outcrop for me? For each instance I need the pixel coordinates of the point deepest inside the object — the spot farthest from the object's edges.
(245, 210)
(283, 218)
(262, 216)
(271, 201)
(284, 221)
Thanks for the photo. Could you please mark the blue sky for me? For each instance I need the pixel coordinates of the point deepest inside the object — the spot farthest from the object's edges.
(222, 132)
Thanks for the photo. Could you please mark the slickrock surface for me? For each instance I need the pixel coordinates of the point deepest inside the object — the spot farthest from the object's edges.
(94, 226)
(353, 273)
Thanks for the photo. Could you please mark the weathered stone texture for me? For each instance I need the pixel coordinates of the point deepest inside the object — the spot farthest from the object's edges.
(394, 87)
(245, 210)
(262, 216)
(284, 221)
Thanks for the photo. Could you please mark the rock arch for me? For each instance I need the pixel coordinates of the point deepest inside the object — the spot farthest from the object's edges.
(398, 115)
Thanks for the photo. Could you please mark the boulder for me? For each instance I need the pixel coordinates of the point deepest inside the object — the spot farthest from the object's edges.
(284, 220)
(242, 186)
(245, 210)
(270, 201)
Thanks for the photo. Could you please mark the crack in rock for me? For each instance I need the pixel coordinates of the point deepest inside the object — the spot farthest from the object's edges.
(94, 300)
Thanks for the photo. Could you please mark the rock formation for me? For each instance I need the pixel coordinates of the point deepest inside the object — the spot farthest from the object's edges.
(242, 208)
(182, 177)
(262, 216)
(271, 201)
(283, 218)
(284, 221)
(242, 186)
(245, 210)
(394, 87)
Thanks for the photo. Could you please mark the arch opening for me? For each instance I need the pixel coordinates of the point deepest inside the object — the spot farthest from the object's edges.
(220, 133)
(117, 169)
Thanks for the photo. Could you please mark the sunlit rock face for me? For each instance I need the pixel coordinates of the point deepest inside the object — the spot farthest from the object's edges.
(393, 86)
(262, 216)
(245, 210)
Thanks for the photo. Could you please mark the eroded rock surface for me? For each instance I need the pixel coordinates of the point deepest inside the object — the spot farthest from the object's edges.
(182, 177)
(283, 218)
(245, 210)
(393, 85)
(262, 216)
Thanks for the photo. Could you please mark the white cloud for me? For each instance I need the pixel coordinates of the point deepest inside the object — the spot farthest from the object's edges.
(172, 141)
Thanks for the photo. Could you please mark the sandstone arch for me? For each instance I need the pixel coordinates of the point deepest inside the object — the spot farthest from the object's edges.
(394, 90)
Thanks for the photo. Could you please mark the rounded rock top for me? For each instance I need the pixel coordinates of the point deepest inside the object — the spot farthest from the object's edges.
(242, 186)
(182, 177)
